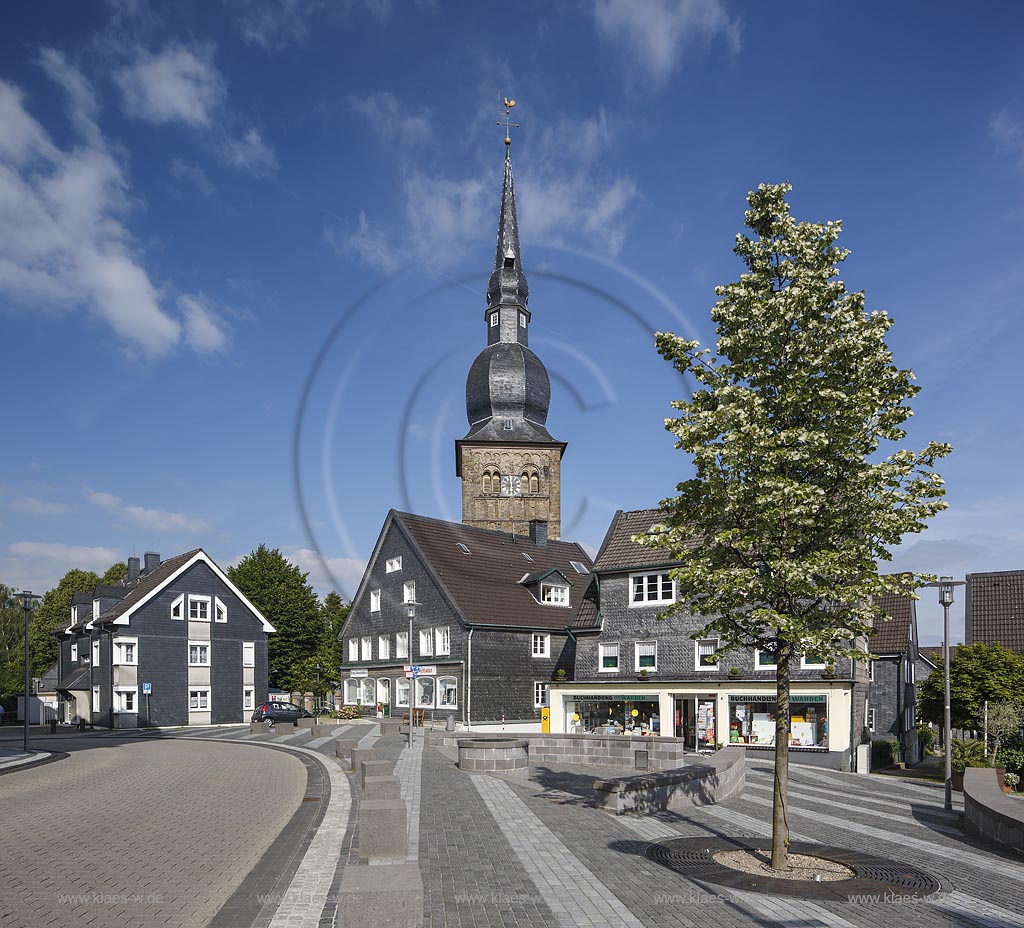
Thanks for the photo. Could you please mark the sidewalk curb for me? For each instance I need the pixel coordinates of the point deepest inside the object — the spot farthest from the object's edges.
(48, 757)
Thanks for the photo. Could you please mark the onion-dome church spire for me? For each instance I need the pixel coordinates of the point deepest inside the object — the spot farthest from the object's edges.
(508, 461)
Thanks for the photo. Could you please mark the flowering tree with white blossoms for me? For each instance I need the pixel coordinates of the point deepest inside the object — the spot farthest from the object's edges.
(792, 501)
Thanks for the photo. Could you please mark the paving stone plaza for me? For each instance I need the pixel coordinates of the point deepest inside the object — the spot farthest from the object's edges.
(491, 850)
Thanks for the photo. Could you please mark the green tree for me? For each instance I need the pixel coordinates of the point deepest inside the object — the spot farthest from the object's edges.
(53, 612)
(791, 502)
(277, 587)
(978, 672)
(115, 573)
(12, 642)
(1005, 719)
(328, 655)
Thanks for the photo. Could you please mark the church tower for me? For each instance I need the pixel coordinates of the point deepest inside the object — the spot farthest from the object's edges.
(510, 466)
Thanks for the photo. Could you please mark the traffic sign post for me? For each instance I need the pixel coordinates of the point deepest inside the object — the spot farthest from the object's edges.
(147, 691)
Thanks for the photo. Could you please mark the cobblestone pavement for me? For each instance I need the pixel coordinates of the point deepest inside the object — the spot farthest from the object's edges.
(138, 832)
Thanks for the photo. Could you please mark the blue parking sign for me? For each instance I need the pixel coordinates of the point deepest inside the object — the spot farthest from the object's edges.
(147, 688)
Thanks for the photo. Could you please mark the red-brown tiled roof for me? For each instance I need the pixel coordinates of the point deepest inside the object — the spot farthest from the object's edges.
(994, 609)
(892, 636)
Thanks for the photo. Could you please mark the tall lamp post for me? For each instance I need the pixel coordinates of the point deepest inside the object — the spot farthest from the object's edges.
(945, 585)
(27, 602)
(410, 611)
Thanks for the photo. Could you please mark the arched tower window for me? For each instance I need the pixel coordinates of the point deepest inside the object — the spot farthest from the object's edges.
(534, 483)
(491, 481)
(486, 482)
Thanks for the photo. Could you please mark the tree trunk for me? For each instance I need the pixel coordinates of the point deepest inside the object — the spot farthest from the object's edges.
(780, 825)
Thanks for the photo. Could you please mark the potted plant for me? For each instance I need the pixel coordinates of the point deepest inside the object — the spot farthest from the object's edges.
(559, 676)
(642, 675)
(734, 671)
(964, 753)
(829, 672)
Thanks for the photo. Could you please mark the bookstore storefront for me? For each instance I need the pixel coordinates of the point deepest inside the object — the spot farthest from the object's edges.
(752, 720)
(614, 714)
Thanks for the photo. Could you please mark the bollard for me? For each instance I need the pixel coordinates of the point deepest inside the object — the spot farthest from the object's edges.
(449, 724)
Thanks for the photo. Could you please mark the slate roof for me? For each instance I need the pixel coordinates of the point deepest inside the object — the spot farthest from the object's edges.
(893, 636)
(620, 552)
(48, 681)
(138, 589)
(484, 584)
(77, 679)
(994, 610)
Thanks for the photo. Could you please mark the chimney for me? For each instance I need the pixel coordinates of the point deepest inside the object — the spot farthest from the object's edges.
(539, 532)
(133, 569)
(152, 561)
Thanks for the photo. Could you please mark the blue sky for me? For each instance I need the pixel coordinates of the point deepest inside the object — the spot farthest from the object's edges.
(244, 247)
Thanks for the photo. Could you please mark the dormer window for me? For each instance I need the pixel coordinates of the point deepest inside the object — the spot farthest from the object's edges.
(555, 594)
(494, 320)
(508, 425)
(95, 609)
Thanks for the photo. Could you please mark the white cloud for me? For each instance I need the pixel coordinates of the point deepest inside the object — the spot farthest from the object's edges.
(178, 84)
(275, 24)
(39, 565)
(446, 216)
(366, 242)
(63, 242)
(193, 176)
(37, 507)
(204, 329)
(654, 33)
(154, 519)
(341, 574)
(249, 152)
(391, 119)
(1009, 133)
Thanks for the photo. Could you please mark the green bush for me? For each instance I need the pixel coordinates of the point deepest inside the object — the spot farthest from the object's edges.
(1012, 759)
(884, 754)
(926, 738)
(965, 752)
(1012, 780)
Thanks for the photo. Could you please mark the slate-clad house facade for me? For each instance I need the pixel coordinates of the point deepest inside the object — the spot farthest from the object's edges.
(179, 626)
(638, 674)
(891, 711)
(496, 614)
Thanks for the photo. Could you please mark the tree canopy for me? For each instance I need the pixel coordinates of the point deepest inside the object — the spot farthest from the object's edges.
(791, 504)
(280, 590)
(977, 672)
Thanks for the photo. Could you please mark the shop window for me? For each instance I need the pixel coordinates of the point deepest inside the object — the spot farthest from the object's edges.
(707, 659)
(541, 646)
(752, 721)
(646, 655)
(402, 691)
(540, 694)
(368, 691)
(601, 716)
(351, 692)
(651, 589)
(608, 657)
(447, 692)
(425, 693)
(384, 691)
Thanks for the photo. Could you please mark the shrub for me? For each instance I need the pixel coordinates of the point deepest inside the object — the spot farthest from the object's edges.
(1012, 760)
(966, 752)
(926, 738)
(348, 712)
(1012, 780)
(884, 754)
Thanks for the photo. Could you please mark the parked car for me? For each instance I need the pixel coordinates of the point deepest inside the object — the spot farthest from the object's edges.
(280, 712)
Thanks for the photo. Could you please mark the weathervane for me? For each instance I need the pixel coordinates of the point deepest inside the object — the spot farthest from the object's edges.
(507, 122)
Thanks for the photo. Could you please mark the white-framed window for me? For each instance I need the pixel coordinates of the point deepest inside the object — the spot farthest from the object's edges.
(645, 655)
(494, 320)
(908, 670)
(705, 657)
(425, 691)
(353, 649)
(908, 718)
(220, 611)
(178, 607)
(392, 564)
(384, 691)
(351, 692)
(442, 640)
(869, 718)
(522, 320)
(248, 653)
(447, 692)
(248, 699)
(199, 654)
(608, 657)
(366, 648)
(374, 600)
(126, 651)
(541, 645)
(368, 691)
(383, 647)
(198, 698)
(95, 609)
(74, 614)
(764, 660)
(812, 662)
(402, 685)
(74, 652)
(126, 699)
(651, 589)
(96, 653)
(871, 671)
(426, 641)
(409, 591)
(540, 694)
(95, 706)
(198, 608)
(402, 645)
(554, 594)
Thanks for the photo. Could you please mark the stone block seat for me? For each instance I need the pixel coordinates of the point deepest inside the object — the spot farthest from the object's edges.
(989, 814)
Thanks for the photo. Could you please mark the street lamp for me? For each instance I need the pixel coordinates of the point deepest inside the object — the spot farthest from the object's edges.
(945, 585)
(410, 611)
(27, 602)
(317, 696)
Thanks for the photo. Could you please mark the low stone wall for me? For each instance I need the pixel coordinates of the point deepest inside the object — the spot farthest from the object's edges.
(989, 814)
(713, 780)
(509, 757)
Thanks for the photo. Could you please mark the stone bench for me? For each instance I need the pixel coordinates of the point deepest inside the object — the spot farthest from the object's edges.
(508, 757)
(390, 727)
(721, 776)
(343, 749)
(374, 768)
(259, 728)
(389, 787)
(989, 814)
(368, 900)
(383, 828)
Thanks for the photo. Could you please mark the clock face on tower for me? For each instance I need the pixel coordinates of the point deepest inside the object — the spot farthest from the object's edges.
(511, 485)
